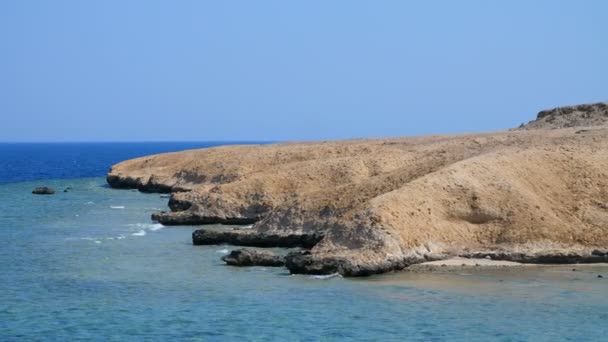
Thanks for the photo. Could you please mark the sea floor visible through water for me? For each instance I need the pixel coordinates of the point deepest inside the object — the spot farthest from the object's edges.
(90, 264)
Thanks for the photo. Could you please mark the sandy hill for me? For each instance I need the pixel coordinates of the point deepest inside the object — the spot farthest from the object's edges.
(535, 194)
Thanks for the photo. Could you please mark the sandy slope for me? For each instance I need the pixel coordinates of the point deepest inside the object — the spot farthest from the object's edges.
(536, 194)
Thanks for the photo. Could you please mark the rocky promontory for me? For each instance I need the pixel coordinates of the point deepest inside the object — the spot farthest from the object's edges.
(359, 207)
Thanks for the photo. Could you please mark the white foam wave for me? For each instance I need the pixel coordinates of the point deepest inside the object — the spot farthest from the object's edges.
(117, 206)
(147, 226)
(139, 233)
(327, 276)
(89, 203)
(247, 227)
(98, 239)
(156, 226)
(223, 251)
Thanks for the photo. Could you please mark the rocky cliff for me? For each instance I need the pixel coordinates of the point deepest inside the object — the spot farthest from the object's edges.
(536, 194)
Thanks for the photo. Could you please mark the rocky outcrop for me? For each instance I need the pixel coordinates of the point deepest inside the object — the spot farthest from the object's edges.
(305, 262)
(586, 115)
(378, 205)
(143, 184)
(599, 253)
(242, 237)
(43, 190)
(193, 218)
(252, 257)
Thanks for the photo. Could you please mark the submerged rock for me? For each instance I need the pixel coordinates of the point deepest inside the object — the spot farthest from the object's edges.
(43, 190)
(253, 257)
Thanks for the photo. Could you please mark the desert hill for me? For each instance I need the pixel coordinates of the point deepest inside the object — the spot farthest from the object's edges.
(535, 194)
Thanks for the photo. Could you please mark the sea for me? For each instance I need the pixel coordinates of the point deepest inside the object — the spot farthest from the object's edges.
(89, 264)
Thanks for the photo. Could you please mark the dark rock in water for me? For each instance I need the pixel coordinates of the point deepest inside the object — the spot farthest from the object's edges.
(242, 237)
(304, 262)
(600, 276)
(181, 217)
(43, 190)
(251, 257)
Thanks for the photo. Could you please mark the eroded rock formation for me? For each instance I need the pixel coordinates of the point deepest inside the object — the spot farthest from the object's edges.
(253, 257)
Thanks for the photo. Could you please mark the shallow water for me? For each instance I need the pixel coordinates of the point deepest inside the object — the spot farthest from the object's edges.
(90, 264)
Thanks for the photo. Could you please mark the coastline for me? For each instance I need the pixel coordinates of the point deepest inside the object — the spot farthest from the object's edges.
(69, 250)
(458, 264)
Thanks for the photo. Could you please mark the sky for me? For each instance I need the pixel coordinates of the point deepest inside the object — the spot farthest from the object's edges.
(291, 70)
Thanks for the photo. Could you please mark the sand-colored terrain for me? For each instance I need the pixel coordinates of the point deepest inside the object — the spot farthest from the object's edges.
(534, 194)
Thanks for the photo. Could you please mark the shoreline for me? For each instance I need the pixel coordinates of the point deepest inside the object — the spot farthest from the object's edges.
(459, 264)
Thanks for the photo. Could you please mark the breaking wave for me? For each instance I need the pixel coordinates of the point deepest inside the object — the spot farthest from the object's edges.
(327, 276)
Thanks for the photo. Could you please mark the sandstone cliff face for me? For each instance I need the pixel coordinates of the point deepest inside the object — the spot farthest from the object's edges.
(371, 206)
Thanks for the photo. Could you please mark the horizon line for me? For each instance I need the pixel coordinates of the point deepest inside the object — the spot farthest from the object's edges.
(134, 141)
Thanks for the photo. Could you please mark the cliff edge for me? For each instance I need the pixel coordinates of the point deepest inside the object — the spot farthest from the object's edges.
(535, 194)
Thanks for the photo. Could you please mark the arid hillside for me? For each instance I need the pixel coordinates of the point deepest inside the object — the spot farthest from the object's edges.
(534, 194)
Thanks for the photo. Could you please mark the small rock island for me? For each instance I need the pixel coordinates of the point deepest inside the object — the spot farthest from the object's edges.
(43, 190)
(535, 194)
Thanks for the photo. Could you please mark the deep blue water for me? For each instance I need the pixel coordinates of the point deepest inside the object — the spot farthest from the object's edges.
(90, 265)
(33, 161)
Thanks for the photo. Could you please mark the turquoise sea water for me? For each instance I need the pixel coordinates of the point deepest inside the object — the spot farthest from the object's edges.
(89, 264)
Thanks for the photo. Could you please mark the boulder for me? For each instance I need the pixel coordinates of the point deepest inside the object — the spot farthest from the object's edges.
(253, 257)
(43, 190)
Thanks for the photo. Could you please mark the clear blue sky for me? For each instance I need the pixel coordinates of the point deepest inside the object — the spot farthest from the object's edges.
(287, 70)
